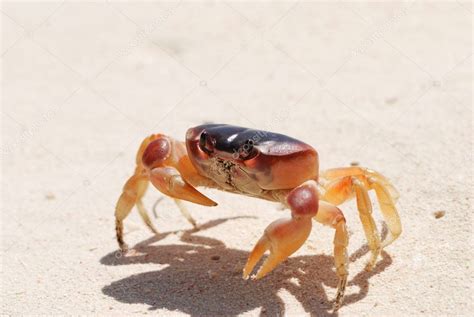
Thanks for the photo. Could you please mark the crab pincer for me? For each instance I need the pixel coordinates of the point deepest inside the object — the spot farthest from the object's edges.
(285, 236)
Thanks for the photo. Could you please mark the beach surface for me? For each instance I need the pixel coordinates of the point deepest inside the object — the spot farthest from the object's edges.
(386, 85)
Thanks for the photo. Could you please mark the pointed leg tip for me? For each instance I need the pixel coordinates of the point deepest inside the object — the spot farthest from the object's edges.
(337, 304)
(259, 275)
(123, 247)
(246, 275)
(122, 251)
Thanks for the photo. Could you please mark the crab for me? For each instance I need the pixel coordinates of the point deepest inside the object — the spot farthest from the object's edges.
(269, 166)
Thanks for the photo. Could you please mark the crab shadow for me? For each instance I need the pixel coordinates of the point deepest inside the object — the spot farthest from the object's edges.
(204, 277)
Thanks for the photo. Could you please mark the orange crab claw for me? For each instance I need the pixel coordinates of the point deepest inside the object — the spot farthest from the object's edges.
(282, 237)
(169, 181)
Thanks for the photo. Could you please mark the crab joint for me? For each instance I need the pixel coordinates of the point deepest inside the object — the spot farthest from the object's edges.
(303, 200)
(156, 153)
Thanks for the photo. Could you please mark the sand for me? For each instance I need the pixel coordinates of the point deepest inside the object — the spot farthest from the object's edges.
(387, 85)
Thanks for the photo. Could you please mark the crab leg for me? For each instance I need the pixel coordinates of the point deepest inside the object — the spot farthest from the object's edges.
(332, 216)
(146, 218)
(285, 236)
(342, 189)
(363, 174)
(388, 210)
(133, 191)
(365, 213)
(184, 211)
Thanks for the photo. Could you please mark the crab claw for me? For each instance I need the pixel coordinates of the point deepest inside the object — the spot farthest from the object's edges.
(282, 237)
(169, 181)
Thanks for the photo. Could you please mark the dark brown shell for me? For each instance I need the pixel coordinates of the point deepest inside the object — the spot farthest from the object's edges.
(254, 158)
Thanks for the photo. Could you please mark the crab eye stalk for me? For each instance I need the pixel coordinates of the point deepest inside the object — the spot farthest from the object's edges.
(206, 144)
(248, 150)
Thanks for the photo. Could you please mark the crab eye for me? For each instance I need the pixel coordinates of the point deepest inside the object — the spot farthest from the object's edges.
(206, 143)
(248, 150)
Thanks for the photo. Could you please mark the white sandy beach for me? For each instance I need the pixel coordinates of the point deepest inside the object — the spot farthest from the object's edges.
(385, 84)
